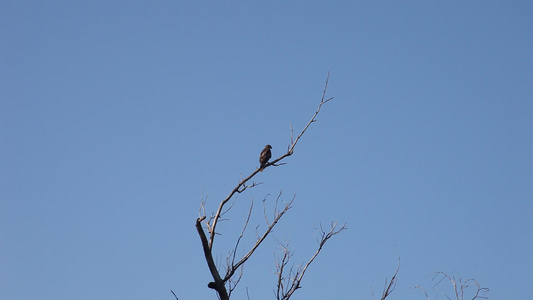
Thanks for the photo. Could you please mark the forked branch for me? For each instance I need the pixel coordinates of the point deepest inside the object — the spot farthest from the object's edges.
(235, 266)
(289, 283)
(390, 285)
(241, 186)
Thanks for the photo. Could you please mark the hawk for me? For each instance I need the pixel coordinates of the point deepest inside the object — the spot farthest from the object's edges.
(264, 157)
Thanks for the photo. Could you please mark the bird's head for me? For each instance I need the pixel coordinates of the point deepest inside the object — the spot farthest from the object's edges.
(268, 146)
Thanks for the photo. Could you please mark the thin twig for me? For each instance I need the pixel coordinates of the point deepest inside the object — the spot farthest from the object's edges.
(424, 291)
(280, 266)
(387, 290)
(234, 252)
(322, 102)
(459, 287)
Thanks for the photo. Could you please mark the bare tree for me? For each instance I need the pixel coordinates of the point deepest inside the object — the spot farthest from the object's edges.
(288, 275)
(288, 282)
(462, 289)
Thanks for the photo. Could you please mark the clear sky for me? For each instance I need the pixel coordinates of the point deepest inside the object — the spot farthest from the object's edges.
(118, 117)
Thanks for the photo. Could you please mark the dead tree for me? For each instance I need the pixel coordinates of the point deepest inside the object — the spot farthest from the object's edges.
(288, 282)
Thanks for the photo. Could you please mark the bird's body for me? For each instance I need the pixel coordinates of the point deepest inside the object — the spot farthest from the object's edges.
(264, 157)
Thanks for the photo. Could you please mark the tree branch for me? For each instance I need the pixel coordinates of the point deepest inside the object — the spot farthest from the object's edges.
(278, 216)
(234, 252)
(298, 276)
(387, 290)
(218, 284)
(459, 287)
(241, 186)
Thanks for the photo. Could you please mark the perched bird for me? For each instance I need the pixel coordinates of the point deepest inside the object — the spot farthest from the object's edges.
(264, 157)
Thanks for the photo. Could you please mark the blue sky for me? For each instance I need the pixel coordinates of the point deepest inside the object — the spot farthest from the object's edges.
(118, 117)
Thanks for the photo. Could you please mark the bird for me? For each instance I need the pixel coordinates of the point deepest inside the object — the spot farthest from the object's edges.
(264, 157)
